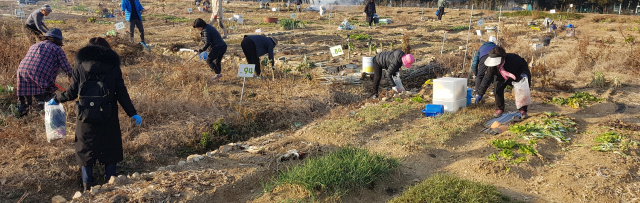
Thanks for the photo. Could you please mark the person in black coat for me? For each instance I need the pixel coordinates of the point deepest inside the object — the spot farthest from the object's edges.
(392, 61)
(370, 11)
(213, 43)
(504, 69)
(98, 141)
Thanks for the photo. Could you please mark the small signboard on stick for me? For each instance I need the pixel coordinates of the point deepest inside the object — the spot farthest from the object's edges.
(336, 51)
(120, 26)
(246, 70)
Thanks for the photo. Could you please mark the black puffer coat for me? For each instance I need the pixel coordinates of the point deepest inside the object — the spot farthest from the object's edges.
(390, 60)
(99, 141)
(370, 10)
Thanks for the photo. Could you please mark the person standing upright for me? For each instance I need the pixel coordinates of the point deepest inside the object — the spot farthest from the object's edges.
(132, 9)
(35, 23)
(213, 43)
(370, 11)
(97, 79)
(216, 15)
(441, 5)
(298, 3)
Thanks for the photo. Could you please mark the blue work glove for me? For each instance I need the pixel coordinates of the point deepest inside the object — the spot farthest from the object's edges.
(478, 98)
(524, 75)
(52, 102)
(137, 118)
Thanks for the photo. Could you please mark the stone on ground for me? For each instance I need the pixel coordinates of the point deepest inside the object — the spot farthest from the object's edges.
(58, 199)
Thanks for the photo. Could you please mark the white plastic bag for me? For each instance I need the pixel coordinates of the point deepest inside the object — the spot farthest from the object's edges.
(396, 79)
(55, 122)
(522, 93)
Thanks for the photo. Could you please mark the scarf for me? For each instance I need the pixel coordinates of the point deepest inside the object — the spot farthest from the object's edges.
(504, 73)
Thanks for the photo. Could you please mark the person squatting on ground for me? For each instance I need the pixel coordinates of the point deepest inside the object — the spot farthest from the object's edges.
(132, 9)
(370, 11)
(38, 70)
(213, 43)
(506, 69)
(35, 23)
(97, 83)
(392, 61)
(482, 51)
(255, 46)
(441, 5)
(216, 15)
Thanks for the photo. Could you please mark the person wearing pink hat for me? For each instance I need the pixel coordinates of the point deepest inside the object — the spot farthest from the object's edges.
(392, 61)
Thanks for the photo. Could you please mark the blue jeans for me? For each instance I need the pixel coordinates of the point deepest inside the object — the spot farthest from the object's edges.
(87, 172)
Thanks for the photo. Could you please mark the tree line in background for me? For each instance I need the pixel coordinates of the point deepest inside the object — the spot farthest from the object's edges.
(581, 6)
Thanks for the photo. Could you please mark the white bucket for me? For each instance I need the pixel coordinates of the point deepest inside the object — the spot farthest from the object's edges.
(367, 64)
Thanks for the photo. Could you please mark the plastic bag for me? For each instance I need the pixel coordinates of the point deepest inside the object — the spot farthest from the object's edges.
(55, 122)
(396, 79)
(522, 92)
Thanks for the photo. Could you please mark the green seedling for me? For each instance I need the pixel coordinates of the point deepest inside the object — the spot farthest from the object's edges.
(504, 143)
(493, 157)
(507, 154)
(417, 99)
(526, 149)
(397, 99)
(519, 160)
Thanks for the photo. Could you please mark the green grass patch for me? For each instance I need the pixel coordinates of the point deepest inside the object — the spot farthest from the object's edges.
(542, 15)
(289, 23)
(360, 36)
(338, 172)
(171, 18)
(548, 126)
(79, 8)
(451, 189)
(54, 21)
(459, 28)
(577, 100)
(365, 118)
(417, 99)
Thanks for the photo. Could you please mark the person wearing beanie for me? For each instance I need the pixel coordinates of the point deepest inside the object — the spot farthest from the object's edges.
(505, 69)
(214, 44)
(255, 46)
(216, 15)
(391, 61)
(132, 10)
(98, 140)
(482, 51)
(35, 23)
(37, 72)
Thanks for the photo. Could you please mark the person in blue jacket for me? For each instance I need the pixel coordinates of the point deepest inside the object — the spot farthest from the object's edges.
(132, 9)
(482, 51)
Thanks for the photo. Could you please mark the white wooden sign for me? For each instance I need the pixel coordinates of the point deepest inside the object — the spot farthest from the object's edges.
(571, 5)
(21, 5)
(552, 11)
(293, 15)
(480, 22)
(120, 26)
(246, 70)
(479, 33)
(189, 10)
(336, 51)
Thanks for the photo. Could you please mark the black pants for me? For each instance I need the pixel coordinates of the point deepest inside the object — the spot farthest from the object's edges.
(249, 49)
(499, 92)
(133, 23)
(377, 76)
(440, 13)
(480, 75)
(33, 33)
(370, 23)
(215, 58)
(26, 101)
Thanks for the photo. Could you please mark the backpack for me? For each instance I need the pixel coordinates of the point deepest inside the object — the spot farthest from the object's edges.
(93, 105)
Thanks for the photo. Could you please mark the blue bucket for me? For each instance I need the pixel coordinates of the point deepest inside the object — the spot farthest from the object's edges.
(433, 110)
(469, 96)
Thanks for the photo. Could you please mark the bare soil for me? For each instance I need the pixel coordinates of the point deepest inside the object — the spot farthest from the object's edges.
(178, 104)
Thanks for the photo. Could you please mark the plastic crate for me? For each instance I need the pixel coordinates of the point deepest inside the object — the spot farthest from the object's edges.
(449, 89)
(469, 96)
(452, 106)
(433, 110)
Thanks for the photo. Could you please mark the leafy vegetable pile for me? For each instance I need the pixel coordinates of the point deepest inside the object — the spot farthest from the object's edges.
(612, 141)
(577, 100)
(551, 125)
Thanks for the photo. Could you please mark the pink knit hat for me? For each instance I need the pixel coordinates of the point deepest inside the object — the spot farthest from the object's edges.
(407, 60)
